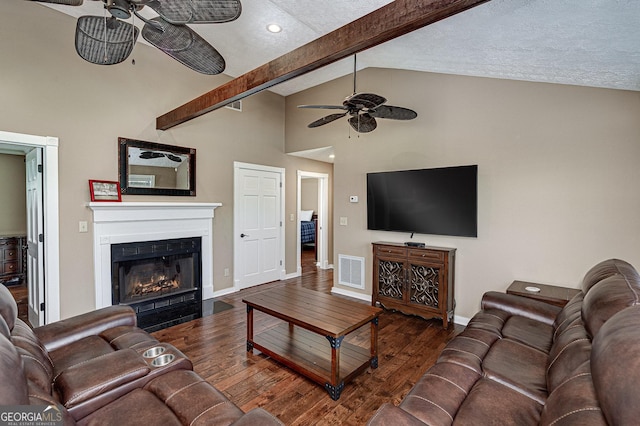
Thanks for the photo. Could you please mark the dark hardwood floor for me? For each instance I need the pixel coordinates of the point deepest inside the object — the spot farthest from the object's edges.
(217, 346)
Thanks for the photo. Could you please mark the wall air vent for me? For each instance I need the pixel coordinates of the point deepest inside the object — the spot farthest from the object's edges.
(351, 271)
(235, 105)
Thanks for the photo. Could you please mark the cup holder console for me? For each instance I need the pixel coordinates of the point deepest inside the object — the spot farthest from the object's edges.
(160, 356)
(163, 360)
(153, 352)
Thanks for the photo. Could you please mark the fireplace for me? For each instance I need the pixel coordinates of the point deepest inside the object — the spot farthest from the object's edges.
(161, 280)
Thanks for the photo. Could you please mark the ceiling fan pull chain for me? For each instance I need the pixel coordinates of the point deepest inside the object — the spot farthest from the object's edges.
(104, 41)
(133, 34)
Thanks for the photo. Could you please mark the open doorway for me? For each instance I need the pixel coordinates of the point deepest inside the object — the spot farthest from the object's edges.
(312, 203)
(46, 306)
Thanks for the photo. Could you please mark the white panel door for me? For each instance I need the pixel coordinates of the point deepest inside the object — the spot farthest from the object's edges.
(258, 226)
(35, 234)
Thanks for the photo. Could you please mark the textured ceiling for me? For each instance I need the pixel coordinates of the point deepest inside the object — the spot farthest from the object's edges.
(579, 42)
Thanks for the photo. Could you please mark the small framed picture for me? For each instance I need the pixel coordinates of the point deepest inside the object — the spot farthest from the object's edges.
(104, 190)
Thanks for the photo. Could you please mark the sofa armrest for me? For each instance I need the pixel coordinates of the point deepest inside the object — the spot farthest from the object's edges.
(257, 416)
(522, 306)
(87, 380)
(60, 333)
(389, 414)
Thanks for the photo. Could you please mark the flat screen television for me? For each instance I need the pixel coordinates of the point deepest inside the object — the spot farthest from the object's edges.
(440, 201)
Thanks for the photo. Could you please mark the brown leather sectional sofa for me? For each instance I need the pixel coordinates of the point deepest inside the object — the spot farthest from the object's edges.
(524, 362)
(101, 369)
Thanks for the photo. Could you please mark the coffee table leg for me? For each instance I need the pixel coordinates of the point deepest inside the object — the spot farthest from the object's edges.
(334, 388)
(374, 342)
(334, 391)
(249, 328)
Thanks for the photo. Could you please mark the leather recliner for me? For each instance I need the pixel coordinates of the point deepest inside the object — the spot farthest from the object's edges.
(97, 368)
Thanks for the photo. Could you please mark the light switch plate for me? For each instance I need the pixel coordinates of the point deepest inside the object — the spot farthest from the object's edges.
(353, 199)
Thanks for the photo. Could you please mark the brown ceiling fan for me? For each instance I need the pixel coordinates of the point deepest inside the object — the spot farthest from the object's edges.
(363, 109)
(110, 40)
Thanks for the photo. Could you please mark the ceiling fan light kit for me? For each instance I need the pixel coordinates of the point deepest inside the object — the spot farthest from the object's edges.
(363, 109)
(109, 41)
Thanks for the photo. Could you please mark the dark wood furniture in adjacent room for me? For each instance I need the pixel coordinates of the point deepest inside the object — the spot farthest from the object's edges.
(310, 338)
(12, 259)
(414, 280)
(552, 294)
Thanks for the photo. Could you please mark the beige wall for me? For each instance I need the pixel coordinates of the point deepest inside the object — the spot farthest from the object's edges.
(558, 167)
(13, 208)
(48, 90)
(309, 195)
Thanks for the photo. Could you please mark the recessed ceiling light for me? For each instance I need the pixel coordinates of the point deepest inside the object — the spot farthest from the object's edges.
(274, 28)
(332, 156)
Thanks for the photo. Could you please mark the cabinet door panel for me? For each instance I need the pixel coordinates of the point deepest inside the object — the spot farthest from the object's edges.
(390, 279)
(424, 283)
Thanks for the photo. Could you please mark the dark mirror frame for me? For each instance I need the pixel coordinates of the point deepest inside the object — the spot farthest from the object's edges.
(123, 168)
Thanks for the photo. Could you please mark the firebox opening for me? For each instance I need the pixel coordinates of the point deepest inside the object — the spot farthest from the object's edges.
(160, 280)
(147, 279)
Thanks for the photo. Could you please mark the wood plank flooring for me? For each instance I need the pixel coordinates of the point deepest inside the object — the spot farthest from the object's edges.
(217, 347)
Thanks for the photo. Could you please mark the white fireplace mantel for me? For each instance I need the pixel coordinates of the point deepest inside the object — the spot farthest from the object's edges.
(127, 222)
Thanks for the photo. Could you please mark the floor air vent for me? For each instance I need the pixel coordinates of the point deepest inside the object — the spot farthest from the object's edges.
(351, 271)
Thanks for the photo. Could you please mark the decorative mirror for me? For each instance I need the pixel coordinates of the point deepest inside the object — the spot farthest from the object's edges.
(148, 168)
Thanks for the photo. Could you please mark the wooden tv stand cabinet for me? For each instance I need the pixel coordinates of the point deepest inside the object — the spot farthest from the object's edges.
(414, 280)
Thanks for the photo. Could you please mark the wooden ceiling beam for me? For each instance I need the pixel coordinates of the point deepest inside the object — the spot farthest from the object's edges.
(393, 20)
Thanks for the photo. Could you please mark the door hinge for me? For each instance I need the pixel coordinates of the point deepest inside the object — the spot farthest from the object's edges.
(280, 224)
(42, 307)
(281, 263)
(41, 238)
(39, 168)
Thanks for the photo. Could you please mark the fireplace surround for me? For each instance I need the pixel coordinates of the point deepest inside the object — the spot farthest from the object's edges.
(132, 222)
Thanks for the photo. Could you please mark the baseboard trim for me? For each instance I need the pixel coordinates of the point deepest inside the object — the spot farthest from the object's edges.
(223, 292)
(461, 320)
(350, 293)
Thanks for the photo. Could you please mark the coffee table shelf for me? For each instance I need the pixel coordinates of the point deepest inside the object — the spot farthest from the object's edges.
(311, 352)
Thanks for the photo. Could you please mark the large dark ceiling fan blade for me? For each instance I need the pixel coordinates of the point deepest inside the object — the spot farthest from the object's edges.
(104, 41)
(364, 100)
(363, 123)
(181, 12)
(326, 120)
(323, 106)
(393, 113)
(185, 46)
(63, 2)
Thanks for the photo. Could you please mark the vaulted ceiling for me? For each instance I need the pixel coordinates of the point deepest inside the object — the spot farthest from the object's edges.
(578, 42)
(582, 42)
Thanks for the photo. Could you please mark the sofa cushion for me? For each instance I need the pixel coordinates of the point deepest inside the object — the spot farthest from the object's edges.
(529, 332)
(8, 307)
(437, 395)
(78, 352)
(570, 314)
(616, 382)
(177, 398)
(607, 298)
(570, 350)
(574, 401)
(606, 269)
(37, 364)
(492, 403)
(14, 383)
(519, 367)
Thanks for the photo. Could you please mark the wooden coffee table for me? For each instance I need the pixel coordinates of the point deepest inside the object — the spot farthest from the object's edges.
(311, 340)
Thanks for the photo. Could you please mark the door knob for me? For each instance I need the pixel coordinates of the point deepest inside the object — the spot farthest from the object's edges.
(243, 235)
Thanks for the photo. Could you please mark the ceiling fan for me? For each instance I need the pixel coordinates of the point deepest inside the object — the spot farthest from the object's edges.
(363, 109)
(109, 40)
